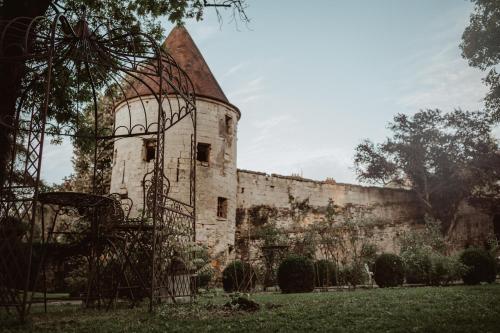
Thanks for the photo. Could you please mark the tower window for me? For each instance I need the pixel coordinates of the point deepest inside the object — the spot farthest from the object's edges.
(203, 152)
(229, 125)
(149, 149)
(222, 207)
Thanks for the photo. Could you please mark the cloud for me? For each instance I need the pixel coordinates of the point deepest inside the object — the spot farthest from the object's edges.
(247, 91)
(442, 79)
(204, 32)
(234, 69)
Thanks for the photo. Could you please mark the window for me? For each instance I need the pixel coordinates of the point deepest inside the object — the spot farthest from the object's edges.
(203, 152)
(222, 207)
(149, 149)
(229, 125)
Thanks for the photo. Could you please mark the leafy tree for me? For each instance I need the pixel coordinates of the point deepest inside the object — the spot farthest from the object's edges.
(445, 158)
(480, 46)
(130, 15)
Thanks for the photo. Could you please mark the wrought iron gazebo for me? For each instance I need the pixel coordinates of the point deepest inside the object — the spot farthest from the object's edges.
(84, 57)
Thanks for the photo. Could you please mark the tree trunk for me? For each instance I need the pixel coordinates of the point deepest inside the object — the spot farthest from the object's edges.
(11, 73)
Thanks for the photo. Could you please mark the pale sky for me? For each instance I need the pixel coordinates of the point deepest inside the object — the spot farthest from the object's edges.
(312, 79)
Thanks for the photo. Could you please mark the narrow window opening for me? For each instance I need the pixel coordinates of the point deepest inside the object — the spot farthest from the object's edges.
(178, 167)
(222, 207)
(242, 190)
(229, 125)
(149, 150)
(203, 152)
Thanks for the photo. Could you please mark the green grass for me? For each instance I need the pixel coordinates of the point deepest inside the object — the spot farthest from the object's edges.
(425, 309)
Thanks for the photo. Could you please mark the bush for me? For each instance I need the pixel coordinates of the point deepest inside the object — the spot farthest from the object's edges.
(481, 266)
(238, 276)
(325, 273)
(203, 279)
(296, 274)
(353, 274)
(388, 270)
(445, 269)
(417, 266)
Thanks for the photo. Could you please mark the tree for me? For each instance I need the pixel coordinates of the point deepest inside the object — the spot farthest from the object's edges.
(130, 15)
(481, 47)
(445, 158)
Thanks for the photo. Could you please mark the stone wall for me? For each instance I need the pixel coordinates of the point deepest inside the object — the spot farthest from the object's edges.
(390, 211)
(215, 178)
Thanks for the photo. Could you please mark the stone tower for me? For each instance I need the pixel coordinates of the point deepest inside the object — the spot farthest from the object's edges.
(216, 130)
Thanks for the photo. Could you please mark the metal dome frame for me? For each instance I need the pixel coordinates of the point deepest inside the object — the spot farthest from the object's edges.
(63, 51)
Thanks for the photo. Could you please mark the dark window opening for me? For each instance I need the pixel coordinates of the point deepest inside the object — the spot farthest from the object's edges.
(203, 152)
(496, 226)
(229, 125)
(150, 149)
(242, 190)
(222, 207)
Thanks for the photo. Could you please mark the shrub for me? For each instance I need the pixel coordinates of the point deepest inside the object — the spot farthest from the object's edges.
(480, 265)
(417, 266)
(353, 274)
(203, 279)
(296, 274)
(388, 270)
(238, 276)
(325, 273)
(445, 269)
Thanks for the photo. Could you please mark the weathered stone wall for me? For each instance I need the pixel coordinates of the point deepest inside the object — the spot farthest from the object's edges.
(217, 178)
(391, 211)
(214, 179)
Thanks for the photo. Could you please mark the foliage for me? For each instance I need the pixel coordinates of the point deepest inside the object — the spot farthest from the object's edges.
(480, 47)
(296, 274)
(261, 214)
(481, 266)
(445, 158)
(417, 266)
(238, 276)
(445, 269)
(201, 265)
(270, 234)
(429, 238)
(417, 247)
(388, 270)
(353, 274)
(305, 244)
(325, 273)
(298, 208)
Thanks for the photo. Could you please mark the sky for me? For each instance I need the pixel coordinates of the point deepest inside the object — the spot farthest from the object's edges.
(312, 79)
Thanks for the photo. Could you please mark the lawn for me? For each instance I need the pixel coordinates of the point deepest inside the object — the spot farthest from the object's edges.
(424, 309)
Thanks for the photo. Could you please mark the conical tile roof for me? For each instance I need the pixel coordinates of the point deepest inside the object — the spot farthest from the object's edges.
(186, 54)
(182, 48)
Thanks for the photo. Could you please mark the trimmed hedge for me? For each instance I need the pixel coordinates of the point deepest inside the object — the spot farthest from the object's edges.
(325, 273)
(296, 274)
(388, 270)
(481, 266)
(238, 276)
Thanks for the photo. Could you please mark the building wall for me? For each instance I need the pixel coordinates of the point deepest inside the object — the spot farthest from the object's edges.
(391, 211)
(214, 179)
(217, 178)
